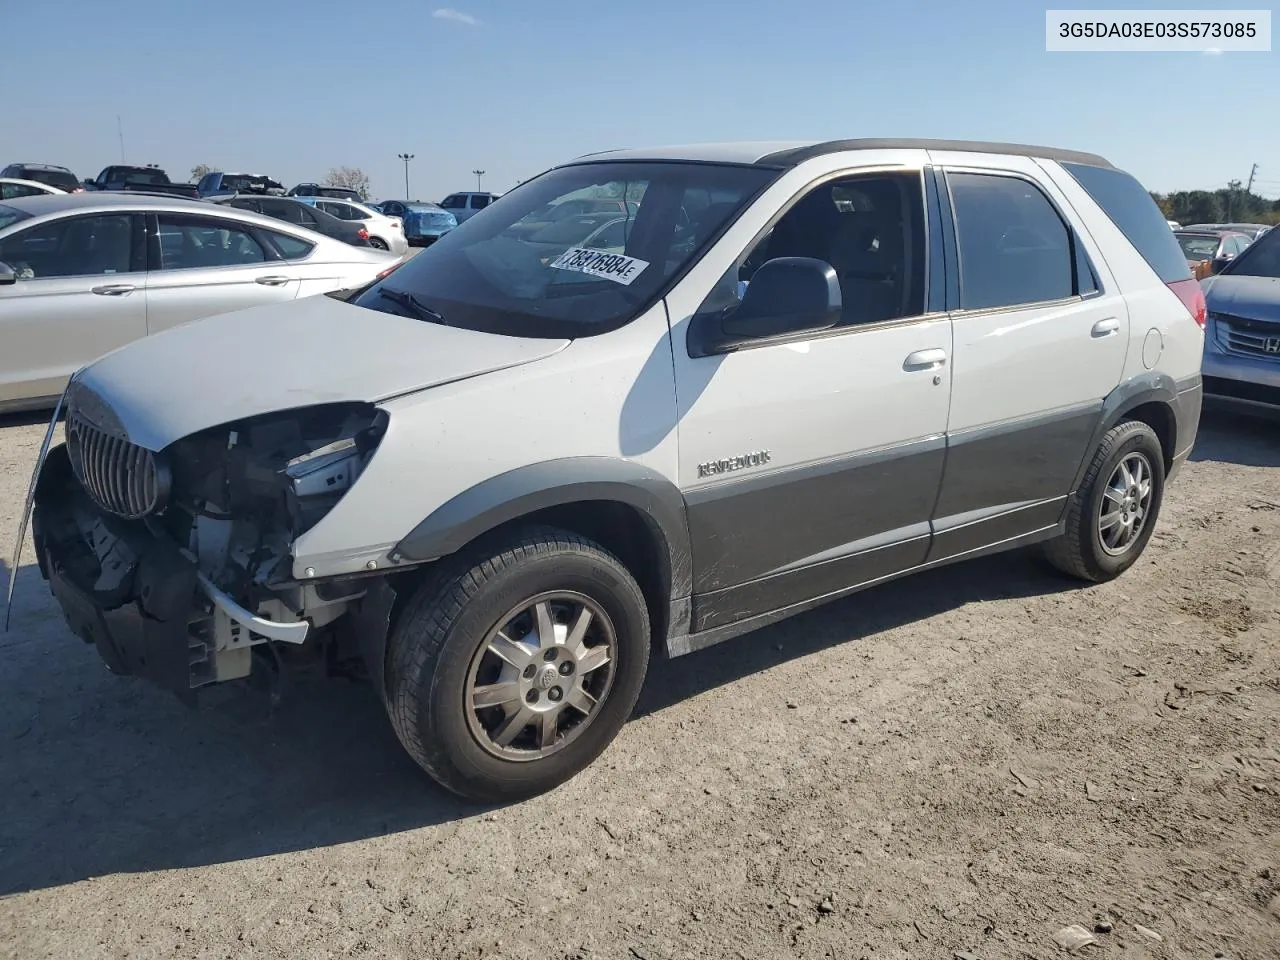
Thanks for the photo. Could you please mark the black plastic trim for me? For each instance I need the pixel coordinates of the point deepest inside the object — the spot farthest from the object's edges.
(525, 490)
(1149, 387)
(788, 158)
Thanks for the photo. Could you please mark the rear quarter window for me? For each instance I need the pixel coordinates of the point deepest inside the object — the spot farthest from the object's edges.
(1132, 210)
(291, 248)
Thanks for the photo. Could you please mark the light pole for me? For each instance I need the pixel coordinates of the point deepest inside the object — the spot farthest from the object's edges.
(406, 157)
(479, 174)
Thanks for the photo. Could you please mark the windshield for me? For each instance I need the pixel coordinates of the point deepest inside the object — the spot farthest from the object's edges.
(338, 193)
(10, 215)
(494, 273)
(1197, 247)
(62, 179)
(1260, 259)
(147, 177)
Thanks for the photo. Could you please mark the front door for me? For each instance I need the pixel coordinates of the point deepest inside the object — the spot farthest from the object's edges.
(812, 465)
(205, 265)
(79, 294)
(1041, 336)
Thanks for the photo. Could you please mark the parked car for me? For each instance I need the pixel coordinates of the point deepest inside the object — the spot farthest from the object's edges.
(423, 223)
(502, 483)
(1174, 224)
(140, 179)
(464, 205)
(82, 274)
(48, 173)
(1242, 341)
(317, 190)
(218, 183)
(1252, 230)
(567, 210)
(300, 214)
(383, 232)
(1208, 251)
(11, 188)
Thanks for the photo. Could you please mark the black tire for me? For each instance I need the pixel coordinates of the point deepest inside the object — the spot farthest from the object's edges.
(434, 644)
(378, 243)
(1080, 551)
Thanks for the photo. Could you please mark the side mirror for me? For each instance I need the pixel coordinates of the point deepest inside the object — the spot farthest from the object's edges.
(7, 276)
(787, 295)
(1220, 263)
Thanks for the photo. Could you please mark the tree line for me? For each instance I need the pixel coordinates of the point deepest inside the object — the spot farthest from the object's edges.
(1230, 204)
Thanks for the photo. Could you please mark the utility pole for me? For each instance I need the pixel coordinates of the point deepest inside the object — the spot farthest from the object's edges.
(479, 174)
(406, 157)
(120, 134)
(1252, 173)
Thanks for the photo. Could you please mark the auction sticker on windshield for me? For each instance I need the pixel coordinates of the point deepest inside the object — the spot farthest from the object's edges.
(598, 263)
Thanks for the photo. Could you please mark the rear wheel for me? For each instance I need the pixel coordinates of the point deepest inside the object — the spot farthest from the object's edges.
(515, 666)
(1113, 514)
(378, 243)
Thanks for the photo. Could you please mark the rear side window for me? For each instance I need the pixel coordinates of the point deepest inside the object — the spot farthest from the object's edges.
(192, 242)
(454, 202)
(479, 202)
(1132, 210)
(291, 248)
(1014, 247)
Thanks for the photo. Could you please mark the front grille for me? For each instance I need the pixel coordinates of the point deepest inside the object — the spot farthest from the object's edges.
(1255, 338)
(120, 476)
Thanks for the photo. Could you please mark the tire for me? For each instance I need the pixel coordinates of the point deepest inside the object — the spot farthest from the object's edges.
(378, 243)
(442, 648)
(1083, 550)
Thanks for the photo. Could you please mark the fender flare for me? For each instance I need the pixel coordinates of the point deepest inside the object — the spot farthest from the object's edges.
(552, 483)
(1145, 388)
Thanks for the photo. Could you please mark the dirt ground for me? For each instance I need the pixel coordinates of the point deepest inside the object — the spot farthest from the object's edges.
(957, 765)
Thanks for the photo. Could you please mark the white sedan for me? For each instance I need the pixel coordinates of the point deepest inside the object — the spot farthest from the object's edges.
(84, 273)
(11, 188)
(385, 233)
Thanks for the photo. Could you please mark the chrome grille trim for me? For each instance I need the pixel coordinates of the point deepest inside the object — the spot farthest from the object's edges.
(120, 476)
(1248, 337)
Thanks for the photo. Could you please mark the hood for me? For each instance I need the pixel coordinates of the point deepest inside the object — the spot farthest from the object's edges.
(283, 356)
(1254, 298)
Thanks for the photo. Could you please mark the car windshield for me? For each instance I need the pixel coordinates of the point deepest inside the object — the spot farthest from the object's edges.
(146, 177)
(62, 179)
(1260, 259)
(489, 274)
(338, 193)
(1197, 247)
(10, 215)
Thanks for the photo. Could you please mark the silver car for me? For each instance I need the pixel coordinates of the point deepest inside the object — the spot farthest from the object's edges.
(83, 274)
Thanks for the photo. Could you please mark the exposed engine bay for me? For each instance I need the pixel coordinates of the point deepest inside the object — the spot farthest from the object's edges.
(178, 564)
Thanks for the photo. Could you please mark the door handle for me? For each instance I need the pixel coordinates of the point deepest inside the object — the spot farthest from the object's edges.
(272, 281)
(1105, 328)
(114, 289)
(925, 359)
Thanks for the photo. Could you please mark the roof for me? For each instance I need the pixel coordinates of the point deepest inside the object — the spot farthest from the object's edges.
(101, 200)
(790, 153)
(41, 166)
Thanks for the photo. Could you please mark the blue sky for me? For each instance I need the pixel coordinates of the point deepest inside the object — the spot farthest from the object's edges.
(512, 86)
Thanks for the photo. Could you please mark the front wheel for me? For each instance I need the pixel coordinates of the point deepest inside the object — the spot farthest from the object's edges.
(515, 665)
(1113, 514)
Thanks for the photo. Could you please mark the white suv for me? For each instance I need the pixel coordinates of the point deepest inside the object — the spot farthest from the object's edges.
(501, 475)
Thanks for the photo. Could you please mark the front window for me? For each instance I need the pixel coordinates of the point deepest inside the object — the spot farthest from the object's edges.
(10, 215)
(492, 274)
(454, 202)
(1260, 258)
(73, 247)
(1197, 248)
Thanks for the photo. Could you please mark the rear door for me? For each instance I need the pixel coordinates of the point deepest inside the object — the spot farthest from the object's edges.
(79, 294)
(1041, 335)
(203, 265)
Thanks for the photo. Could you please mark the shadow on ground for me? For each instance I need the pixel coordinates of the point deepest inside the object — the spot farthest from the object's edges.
(102, 775)
(1229, 437)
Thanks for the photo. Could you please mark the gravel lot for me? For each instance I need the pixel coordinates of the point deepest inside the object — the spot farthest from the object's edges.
(970, 760)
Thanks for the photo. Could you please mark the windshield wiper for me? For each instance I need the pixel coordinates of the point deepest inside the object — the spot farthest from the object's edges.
(416, 307)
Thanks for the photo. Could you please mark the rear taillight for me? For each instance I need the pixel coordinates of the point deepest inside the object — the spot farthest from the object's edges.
(362, 233)
(1192, 296)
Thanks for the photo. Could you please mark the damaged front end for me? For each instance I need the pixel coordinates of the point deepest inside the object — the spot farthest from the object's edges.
(177, 563)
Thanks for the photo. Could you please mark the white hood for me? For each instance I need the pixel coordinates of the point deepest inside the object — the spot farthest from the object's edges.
(279, 357)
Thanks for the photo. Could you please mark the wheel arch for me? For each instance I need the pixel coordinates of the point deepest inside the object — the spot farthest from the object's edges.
(630, 509)
(1151, 398)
